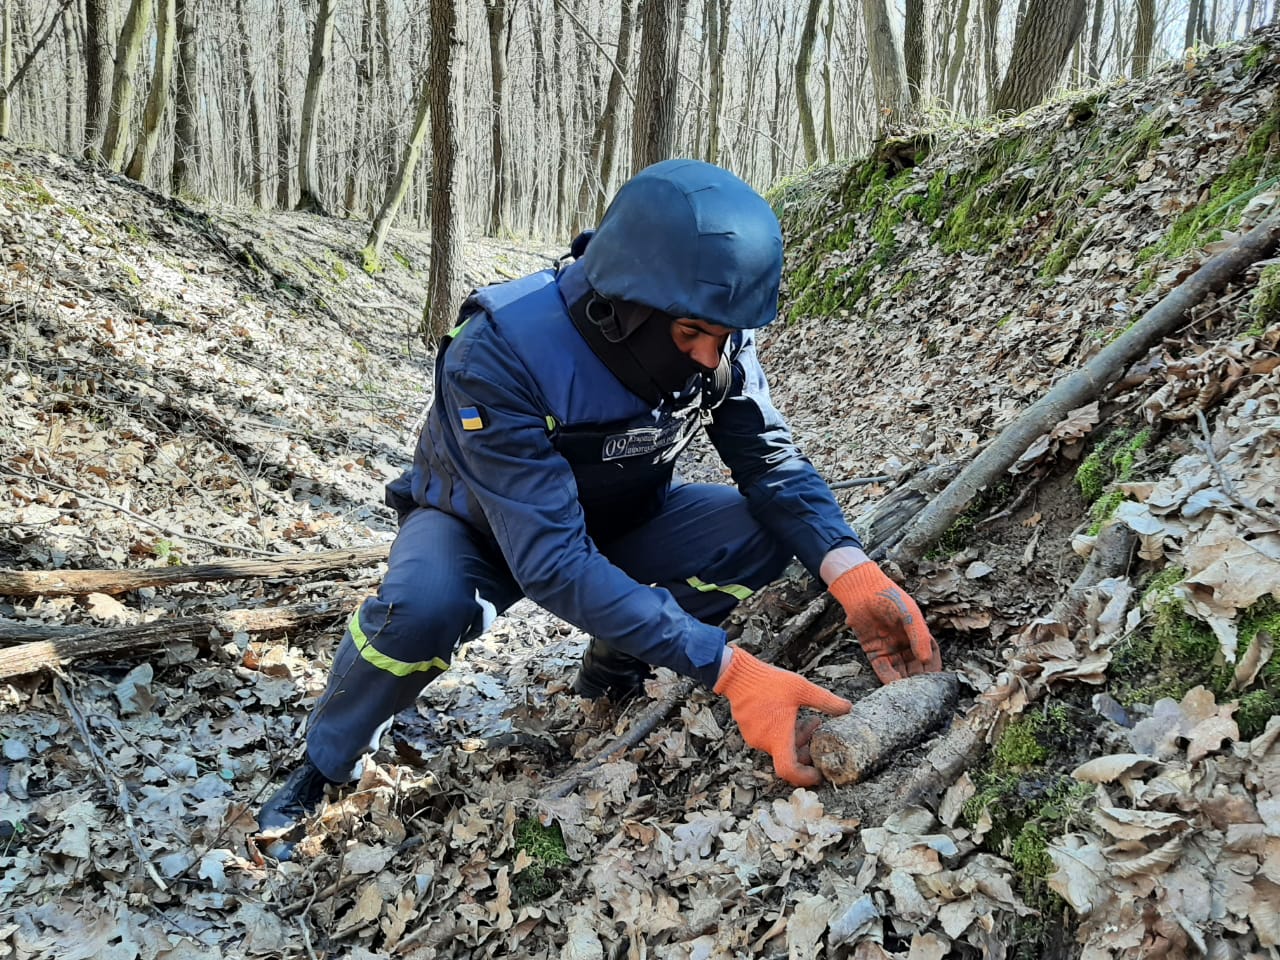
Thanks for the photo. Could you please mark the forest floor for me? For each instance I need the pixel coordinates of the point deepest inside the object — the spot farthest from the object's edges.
(182, 384)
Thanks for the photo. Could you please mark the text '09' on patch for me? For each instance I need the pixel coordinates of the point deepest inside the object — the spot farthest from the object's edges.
(473, 418)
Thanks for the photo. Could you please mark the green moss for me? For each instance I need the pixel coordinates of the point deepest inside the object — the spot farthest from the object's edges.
(1092, 476)
(131, 274)
(1264, 308)
(1252, 171)
(338, 267)
(545, 848)
(1019, 746)
(369, 262)
(1111, 461)
(1176, 652)
(401, 259)
(1257, 56)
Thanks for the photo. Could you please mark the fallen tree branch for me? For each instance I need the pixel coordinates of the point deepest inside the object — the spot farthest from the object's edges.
(114, 784)
(1078, 388)
(45, 654)
(65, 583)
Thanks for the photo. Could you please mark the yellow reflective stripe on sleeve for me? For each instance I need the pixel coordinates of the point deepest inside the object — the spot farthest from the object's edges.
(733, 589)
(399, 668)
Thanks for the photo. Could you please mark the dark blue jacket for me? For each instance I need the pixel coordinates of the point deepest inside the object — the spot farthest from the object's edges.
(533, 441)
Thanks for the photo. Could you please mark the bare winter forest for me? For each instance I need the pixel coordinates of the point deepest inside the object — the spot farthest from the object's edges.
(1029, 331)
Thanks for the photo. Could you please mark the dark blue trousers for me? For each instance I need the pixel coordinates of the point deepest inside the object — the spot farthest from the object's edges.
(446, 585)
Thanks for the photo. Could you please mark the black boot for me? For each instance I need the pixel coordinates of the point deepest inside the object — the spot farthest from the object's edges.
(283, 813)
(606, 672)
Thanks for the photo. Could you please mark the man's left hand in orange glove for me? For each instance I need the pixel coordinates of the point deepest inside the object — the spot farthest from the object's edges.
(765, 701)
(887, 622)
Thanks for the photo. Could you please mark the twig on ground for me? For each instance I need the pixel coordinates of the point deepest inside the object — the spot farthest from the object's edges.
(1224, 481)
(112, 782)
(167, 531)
(859, 482)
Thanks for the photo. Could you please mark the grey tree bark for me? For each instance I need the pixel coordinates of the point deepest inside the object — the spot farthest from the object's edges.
(804, 60)
(158, 96)
(496, 16)
(1195, 13)
(828, 110)
(720, 10)
(1040, 49)
(6, 68)
(309, 139)
(990, 34)
(1095, 37)
(115, 141)
(97, 71)
(604, 156)
(1143, 37)
(653, 126)
(915, 49)
(364, 107)
(399, 186)
(182, 173)
(888, 74)
(284, 115)
(444, 292)
(957, 56)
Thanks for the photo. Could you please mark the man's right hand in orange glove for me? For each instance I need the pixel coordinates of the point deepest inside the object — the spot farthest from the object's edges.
(765, 702)
(887, 622)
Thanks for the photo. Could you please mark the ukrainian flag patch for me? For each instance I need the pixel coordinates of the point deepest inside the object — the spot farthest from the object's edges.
(473, 418)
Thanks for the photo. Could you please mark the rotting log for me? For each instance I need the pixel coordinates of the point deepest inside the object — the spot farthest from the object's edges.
(885, 722)
(1078, 388)
(71, 583)
(44, 654)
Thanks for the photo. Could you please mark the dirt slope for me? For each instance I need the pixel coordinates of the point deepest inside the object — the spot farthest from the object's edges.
(181, 384)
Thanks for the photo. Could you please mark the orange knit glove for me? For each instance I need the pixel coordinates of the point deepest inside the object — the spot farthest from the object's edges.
(764, 701)
(887, 622)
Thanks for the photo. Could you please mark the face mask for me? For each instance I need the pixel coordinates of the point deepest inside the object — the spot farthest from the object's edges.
(658, 356)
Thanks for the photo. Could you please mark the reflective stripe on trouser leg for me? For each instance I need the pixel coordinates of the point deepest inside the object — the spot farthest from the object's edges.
(442, 588)
(705, 547)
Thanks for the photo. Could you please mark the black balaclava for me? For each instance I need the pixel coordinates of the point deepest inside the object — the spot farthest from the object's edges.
(636, 344)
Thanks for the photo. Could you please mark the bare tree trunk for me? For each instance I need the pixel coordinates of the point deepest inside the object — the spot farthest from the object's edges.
(116, 141)
(253, 91)
(6, 67)
(560, 207)
(775, 119)
(445, 276)
(1194, 14)
(70, 65)
(1095, 35)
(654, 123)
(97, 66)
(990, 63)
(609, 131)
(828, 107)
(309, 140)
(915, 49)
(182, 174)
(1040, 50)
(1144, 37)
(158, 95)
(957, 57)
(888, 74)
(720, 11)
(496, 15)
(804, 59)
(398, 188)
(364, 105)
(284, 116)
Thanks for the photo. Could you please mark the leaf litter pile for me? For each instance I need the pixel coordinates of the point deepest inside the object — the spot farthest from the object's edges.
(181, 386)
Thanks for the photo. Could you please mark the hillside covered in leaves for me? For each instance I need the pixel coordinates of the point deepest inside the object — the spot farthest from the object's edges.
(183, 385)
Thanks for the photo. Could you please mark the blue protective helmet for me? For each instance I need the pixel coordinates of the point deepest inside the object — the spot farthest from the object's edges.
(691, 240)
